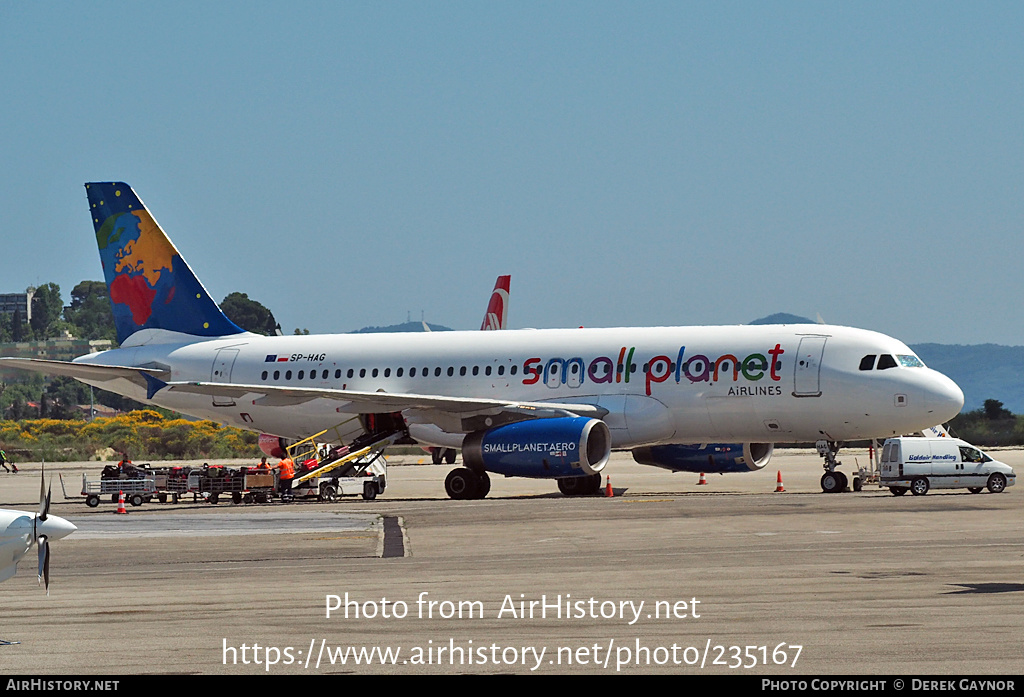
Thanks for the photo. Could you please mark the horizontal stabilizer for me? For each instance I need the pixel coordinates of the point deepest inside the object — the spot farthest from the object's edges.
(84, 371)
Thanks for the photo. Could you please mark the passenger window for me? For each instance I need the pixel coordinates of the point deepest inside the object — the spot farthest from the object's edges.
(288, 375)
(362, 372)
(302, 374)
(337, 374)
(462, 371)
(476, 370)
(387, 372)
(412, 372)
(437, 372)
(451, 371)
(515, 369)
(264, 376)
(277, 374)
(868, 362)
(886, 361)
(398, 373)
(375, 372)
(487, 370)
(501, 370)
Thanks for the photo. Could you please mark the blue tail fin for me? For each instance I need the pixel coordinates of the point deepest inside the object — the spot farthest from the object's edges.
(150, 285)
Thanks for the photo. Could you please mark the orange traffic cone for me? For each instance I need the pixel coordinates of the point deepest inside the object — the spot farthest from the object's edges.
(703, 479)
(608, 487)
(779, 487)
(120, 504)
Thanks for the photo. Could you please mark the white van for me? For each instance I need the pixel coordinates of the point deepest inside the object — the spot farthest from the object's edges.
(920, 464)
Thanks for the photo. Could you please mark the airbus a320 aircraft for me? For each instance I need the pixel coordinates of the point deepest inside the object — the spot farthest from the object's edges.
(548, 403)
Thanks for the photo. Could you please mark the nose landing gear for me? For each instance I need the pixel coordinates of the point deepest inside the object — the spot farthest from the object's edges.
(833, 481)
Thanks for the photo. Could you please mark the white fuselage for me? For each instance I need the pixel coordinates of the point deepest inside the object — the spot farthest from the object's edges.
(769, 383)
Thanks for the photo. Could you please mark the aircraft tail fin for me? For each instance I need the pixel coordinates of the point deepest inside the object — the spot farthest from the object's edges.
(150, 285)
(496, 316)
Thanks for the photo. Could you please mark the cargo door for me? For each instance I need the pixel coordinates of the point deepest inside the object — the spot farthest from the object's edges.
(223, 363)
(807, 367)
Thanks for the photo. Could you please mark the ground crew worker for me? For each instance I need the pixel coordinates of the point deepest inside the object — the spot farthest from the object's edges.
(263, 466)
(287, 468)
(4, 462)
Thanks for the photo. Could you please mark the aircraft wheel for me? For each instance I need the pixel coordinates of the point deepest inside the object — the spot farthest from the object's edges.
(919, 487)
(574, 486)
(897, 490)
(594, 484)
(483, 485)
(435, 456)
(461, 484)
(843, 481)
(449, 456)
(996, 483)
(831, 483)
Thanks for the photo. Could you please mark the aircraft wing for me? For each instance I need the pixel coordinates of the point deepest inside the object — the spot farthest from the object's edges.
(386, 401)
(83, 371)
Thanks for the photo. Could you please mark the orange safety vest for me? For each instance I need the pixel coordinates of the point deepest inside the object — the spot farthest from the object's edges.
(287, 468)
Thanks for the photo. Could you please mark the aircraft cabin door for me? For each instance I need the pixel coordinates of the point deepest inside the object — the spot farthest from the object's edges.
(223, 363)
(807, 366)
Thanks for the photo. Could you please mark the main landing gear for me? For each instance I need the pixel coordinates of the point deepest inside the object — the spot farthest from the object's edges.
(580, 486)
(464, 483)
(446, 455)
(833, 481)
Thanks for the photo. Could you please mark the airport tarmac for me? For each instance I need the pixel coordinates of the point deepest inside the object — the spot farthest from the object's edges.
(666, 577)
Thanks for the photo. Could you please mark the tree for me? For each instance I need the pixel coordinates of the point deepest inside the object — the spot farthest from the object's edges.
(47, 307)
(62, 395)
(249, 314)
(17, 326)
(90, 311)
(994, 410)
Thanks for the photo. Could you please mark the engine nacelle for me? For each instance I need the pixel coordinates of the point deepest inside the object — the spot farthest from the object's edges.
(570, 446)
(272, 445)
(711, 457)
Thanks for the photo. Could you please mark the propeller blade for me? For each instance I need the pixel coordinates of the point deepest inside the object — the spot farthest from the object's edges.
(44, 495)
(44, 562)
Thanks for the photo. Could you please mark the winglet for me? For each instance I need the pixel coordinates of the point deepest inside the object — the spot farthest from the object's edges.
(150, 285)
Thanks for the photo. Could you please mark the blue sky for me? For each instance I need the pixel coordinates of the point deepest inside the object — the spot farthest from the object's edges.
(629, 164)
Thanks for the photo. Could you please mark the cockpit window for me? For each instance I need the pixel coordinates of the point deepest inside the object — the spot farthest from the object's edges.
(868, 362)
(910, 361)
(886, 361)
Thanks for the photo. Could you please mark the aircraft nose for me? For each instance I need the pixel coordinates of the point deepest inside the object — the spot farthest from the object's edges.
(55, 527)
(944, 397)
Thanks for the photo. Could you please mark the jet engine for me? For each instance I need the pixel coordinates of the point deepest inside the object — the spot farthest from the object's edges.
(709, 457)
(272, 445)
(569, 446)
